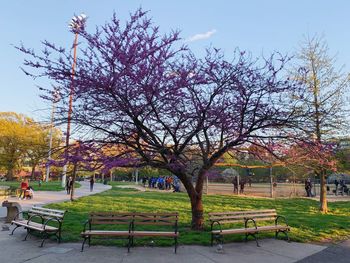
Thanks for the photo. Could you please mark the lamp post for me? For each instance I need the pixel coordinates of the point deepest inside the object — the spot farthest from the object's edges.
(76, 26)
(56, 98)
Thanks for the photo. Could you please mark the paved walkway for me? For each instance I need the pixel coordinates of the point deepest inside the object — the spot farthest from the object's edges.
(47, 197)
(13, 250)
(339, 253)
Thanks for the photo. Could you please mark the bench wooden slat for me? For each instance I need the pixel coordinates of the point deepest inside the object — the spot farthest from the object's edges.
(235, 231)
(115, 218)
(47, 214)
(154, 234)
(154, 223)
(155, 218)
(242, 212)
(133, 213)
(243, 216)
(39, 208)
(270, 228)
(104, 233)
(34, 225)
(110, 222)
(223, 221)
(250, 230)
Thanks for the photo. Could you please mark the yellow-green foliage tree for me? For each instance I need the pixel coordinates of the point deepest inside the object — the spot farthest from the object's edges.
(13, 141)
(37, 150)
(23, 141)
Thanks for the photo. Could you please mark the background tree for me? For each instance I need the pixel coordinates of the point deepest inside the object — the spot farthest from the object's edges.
(13, 141)
(38, 148)
(136, 88)
(323, 100)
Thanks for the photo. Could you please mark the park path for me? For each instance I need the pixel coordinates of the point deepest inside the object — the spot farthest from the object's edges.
(48, 197)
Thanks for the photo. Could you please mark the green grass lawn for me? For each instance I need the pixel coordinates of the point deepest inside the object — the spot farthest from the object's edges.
(307, 224)
(50, 186)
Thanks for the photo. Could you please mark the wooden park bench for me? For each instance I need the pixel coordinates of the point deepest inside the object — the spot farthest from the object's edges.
(105, 224)
(245, 222)
(39, 219)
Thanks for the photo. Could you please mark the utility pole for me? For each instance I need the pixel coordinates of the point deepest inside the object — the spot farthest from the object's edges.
(271, 183)
(55, 100)
(76, 25)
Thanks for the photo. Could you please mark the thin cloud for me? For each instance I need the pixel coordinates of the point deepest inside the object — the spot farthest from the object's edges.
(201, 36)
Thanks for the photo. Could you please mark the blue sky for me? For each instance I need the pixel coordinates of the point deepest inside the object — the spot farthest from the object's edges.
(260, 27)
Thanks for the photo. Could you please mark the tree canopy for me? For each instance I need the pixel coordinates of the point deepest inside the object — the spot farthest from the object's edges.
(142, 90)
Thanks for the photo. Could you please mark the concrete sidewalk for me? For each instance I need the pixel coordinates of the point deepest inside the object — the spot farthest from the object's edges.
(47, 197)
(14, 250)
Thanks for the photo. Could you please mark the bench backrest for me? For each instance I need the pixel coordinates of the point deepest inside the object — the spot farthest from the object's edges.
(111, 218)
(165, 219)
(240, 216)
(47, 212)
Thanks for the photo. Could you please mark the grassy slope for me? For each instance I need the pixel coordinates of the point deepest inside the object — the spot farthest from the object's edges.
(50, 186)
(302, 214)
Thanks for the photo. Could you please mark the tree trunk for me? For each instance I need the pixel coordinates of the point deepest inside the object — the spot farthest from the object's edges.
(9, 174)
(323, 193)
(32, 175)
(195, 195)
(197, 212)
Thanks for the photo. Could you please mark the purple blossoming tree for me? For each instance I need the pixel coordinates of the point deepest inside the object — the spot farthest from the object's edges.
(142, 90)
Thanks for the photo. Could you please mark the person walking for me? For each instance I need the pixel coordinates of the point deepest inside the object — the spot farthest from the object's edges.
(341, 184)
(242, 184)
(308, 187)
(69, 185)
(235, 185)
(336, 182)
(92, 181)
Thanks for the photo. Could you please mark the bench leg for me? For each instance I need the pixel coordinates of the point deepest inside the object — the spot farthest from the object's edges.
(285, 233)
(218, 238)
(129, 242)
(14, 230)
(59, 236)
(255, 235)
(82, 247)
(132, 241)
(28, 231)
(175, 244)
(44, 237)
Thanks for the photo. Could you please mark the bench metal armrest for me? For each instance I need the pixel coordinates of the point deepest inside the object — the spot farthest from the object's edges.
(246, 220)
(213, 223)
(34, 216)
(284, 219)
(21, 212)
(85, 224)
(53, 219)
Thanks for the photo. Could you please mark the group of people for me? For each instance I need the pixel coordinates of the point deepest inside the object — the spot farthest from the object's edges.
(341, 187)
(308, 187)
(162, 183)
(27, 191)
(69, 184)
(242, 182)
